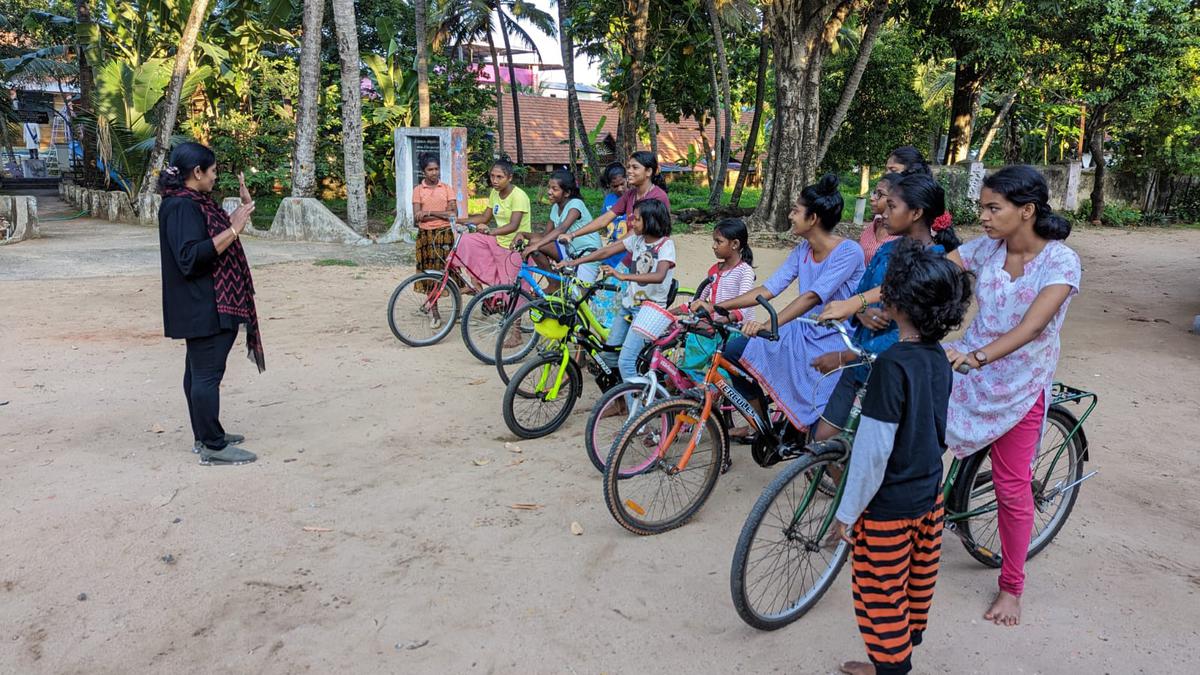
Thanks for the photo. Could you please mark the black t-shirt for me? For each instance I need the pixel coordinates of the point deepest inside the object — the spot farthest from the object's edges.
(910, 386)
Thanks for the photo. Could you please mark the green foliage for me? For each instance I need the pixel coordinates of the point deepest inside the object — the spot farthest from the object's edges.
(881, 117)
(1113, 215)
(250, 144)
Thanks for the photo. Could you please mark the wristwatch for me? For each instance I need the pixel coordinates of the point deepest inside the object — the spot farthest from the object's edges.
(980, 357)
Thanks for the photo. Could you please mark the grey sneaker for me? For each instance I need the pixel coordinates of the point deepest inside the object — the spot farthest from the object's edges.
(230, 455)
(230, 439)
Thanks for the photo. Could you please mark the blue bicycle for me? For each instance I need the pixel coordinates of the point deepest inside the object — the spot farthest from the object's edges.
(491, 307)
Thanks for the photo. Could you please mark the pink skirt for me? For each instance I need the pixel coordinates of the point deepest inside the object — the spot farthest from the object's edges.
(487, 260)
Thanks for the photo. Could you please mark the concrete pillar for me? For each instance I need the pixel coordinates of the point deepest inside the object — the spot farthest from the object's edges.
(975, 175)
(1071, 198)
(20, 215)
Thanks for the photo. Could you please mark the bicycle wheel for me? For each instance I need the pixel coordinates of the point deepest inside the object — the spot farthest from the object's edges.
(644, 489)
(1058, 464)
(608, 417)
(485, 315)
(515, 341)
(420, 318)
(781, 564)
(531, 410)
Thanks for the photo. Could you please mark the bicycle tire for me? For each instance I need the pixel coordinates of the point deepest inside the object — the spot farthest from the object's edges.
(974, 484)
(478, 316)
(506, 359)
(412, 313)
(625, 465)
(747, 599)
(514, 397)
(596, 437)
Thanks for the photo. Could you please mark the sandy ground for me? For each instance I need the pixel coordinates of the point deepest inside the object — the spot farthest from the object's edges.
(427, 569)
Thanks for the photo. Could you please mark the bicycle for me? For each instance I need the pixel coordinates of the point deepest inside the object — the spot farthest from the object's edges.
(660, 378)
(416, 317)
(485, 315)
(521, 323)
(645, 475)
(554, 378)
(791, 521)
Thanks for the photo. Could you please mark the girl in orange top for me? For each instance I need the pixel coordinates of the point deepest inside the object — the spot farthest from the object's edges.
(434, 204)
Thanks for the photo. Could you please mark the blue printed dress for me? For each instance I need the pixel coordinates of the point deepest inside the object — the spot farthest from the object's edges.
(782, 368)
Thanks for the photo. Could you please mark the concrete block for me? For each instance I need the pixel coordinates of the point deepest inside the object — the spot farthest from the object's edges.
(118, 207)
(307, 219)
(20, 216)
(976, 172)
(147, 209)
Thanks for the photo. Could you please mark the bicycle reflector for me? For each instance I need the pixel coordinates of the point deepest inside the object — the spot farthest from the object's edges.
(552, 320)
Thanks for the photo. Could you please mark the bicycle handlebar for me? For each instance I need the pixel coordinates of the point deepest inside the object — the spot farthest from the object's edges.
(773, 333)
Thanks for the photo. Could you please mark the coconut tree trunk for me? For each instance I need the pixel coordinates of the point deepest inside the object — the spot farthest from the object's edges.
(304, 159)
(170, 109)
(760, 91)
(346, 26)
(712, 153)
(866, 45)
(652, 122)
(419, 9)
(84, 37)
(574, 113)
(501, 151)
(638, 12)
(998, 122)
(968, 82)
(717, 188)
(801, 33)
(512, 82)
(1097, 147)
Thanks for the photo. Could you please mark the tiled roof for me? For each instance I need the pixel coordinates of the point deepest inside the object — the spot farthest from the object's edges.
(544, 130)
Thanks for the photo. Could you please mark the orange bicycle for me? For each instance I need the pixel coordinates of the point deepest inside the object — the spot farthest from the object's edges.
(666, 461)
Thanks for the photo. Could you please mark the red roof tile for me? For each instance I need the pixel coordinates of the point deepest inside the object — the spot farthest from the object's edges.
(544, 129)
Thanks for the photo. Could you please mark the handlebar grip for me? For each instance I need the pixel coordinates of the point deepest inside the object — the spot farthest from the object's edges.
(612, 288)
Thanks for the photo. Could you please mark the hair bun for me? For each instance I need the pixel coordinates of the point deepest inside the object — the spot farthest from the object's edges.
(828, 185)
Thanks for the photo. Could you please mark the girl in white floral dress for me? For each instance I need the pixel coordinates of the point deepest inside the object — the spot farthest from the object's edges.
(1026, 277)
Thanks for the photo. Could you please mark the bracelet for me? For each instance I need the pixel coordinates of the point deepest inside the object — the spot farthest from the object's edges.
(865, 304)
(235, 233)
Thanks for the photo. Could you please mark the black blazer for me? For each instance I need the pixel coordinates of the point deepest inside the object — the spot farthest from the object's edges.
(188, 260)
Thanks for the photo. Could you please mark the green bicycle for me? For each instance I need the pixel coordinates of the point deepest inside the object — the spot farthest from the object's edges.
(541, 395)
(784, 563)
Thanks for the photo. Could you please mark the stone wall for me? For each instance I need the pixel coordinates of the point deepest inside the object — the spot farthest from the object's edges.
(111, 205)
(1069, 183)
(20, 216)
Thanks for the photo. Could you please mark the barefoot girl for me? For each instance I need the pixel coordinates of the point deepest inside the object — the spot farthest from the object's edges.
(827, 268)
(876, 234)
(487, 251)
(916, 210)
(649, 276)
(891, 509)
(568, 213)
(1027, 277)
(433, 204)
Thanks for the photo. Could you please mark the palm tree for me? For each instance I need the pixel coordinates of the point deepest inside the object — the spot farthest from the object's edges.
(304, 164)
(520, 9)
(574, 113)
(166, 121)
(468, 21)
(352, 126)
(419, 9)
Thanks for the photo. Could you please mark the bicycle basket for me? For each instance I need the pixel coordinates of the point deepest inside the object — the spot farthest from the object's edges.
(552, 319)
(652, 320)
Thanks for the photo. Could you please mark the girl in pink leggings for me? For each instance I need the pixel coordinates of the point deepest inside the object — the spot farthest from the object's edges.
(1026, 277)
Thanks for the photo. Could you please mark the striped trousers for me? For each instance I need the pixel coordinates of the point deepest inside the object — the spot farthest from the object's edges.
(895, 566)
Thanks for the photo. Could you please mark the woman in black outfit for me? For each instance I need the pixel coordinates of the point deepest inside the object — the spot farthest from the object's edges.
(207, 291)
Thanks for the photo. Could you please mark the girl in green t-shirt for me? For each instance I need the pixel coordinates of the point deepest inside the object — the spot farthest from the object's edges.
(487, 253)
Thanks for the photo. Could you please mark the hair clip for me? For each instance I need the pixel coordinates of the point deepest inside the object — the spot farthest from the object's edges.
(171, 170)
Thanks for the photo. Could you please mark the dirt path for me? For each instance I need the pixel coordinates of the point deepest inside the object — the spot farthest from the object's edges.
(426, 568)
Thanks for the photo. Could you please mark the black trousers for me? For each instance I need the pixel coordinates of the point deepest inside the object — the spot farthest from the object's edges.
(202, 375)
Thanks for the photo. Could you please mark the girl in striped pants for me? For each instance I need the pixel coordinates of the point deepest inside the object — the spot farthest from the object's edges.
(891, 511)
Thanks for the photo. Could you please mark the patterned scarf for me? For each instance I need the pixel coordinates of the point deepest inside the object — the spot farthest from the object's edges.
(232, 284)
